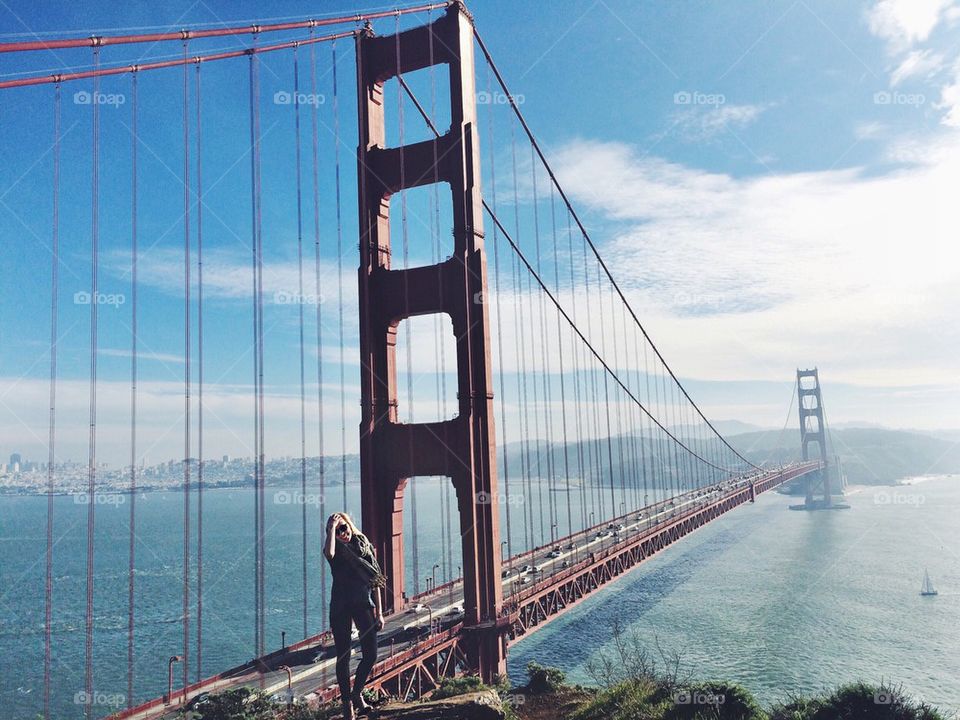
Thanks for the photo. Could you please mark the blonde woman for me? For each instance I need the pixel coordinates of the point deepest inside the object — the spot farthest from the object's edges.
(354, 598)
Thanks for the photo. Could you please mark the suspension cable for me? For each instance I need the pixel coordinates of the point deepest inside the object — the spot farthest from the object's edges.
(187, 402)
(92, 437)
(586, 235)
(314, 127)
(52, 418)
(593, 350)
(123, 69)
(200, 453)
(300, 302)
(254, 30)
(134, 350)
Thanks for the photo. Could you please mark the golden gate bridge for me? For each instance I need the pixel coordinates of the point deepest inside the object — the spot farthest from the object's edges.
(560, 390)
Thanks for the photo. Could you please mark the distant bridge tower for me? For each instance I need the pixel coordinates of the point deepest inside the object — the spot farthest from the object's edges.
(812, 430)
(461, 448)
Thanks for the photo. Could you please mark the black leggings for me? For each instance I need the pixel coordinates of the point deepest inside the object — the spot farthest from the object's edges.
(340, 619)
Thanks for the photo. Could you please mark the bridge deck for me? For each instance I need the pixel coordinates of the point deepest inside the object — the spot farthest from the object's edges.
(417, 648)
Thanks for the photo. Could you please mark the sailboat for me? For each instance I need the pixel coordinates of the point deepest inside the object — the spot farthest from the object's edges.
(927, 588)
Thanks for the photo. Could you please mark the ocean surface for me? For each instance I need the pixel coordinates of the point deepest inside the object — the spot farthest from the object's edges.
(783, 602)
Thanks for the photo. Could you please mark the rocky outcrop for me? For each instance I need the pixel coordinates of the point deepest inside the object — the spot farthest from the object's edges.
(481, 705)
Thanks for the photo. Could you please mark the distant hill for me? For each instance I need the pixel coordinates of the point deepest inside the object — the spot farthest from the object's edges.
(869, 456)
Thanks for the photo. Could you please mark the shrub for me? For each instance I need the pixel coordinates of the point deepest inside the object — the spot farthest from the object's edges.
(544, 680)
(457, 686)
(858, 700)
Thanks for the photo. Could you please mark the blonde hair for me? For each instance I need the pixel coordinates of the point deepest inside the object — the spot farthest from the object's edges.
(364, 540)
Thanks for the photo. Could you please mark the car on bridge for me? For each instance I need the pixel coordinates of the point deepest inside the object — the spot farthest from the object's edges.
(416, 609)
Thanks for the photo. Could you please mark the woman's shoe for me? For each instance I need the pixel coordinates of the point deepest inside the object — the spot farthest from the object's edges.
(359, 704)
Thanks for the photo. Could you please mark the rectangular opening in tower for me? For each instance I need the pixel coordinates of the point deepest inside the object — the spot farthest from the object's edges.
(426, 369)
(421, 226)
(436, 557)
(431, 88)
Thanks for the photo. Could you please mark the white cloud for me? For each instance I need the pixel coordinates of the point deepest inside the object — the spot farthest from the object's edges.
(950, 99)
(746, 278)
(903, 23)
(917, 63)
(696, 124)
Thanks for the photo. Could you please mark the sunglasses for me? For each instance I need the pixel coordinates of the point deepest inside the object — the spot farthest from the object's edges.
(342, 530)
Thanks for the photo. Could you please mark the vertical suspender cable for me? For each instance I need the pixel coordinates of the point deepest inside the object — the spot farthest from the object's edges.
(260, 367)
(200, 455)
(545, 374)
(343, 390)
(406, 309)
(314, 122)
(496, 290)
(92, 436)
(300, 301)
(581, 470)
(445, 496)
(254, 190)
(186, 372)
(521, 344)
(134, 349)
(52, 418)
(563, 387)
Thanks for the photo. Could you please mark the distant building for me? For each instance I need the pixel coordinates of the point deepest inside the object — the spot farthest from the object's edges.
(15, 459)
(226, 459)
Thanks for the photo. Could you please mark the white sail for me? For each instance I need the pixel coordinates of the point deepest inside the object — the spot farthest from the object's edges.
(927, 588)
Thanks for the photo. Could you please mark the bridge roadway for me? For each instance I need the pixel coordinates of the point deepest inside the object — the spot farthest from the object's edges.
(422, 642)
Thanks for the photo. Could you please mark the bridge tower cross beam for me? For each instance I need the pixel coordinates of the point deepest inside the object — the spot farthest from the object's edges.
(812, 430)
(461, 448)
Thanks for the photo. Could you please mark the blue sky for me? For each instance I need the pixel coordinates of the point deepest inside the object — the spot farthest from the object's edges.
(772, 182)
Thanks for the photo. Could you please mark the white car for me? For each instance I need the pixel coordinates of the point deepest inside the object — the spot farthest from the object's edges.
(455, 610)
(416, 609)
